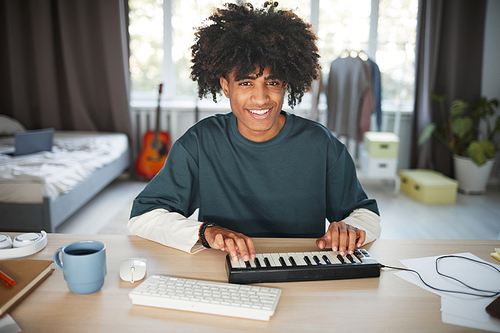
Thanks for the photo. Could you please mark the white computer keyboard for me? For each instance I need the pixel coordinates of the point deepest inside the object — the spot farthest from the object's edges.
(218, 298)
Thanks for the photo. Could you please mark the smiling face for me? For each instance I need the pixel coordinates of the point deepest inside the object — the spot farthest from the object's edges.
(256, 101)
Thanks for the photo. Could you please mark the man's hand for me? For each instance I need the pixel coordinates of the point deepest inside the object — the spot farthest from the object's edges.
(340, 236)
(230, 241)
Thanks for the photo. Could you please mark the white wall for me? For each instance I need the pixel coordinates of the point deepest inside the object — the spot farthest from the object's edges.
(490, 84)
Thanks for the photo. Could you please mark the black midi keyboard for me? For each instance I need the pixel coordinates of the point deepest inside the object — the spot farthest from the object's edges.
(302, 266)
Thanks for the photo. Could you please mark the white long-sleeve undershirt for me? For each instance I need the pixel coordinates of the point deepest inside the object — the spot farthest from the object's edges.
(175, 230)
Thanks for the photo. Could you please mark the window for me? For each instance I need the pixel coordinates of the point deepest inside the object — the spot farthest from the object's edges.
(384, 29)
(146, 44)
(397, 26)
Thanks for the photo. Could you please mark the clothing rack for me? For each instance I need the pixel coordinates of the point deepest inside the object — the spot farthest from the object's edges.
(353, 54)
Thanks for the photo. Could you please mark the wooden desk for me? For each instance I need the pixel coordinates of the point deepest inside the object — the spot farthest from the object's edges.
(385, 304)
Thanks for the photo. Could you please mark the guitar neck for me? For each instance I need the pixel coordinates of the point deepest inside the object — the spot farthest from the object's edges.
(158, 111)
(157, 129)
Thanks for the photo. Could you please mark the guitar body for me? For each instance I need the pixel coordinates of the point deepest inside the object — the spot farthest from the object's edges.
(153, 154)
(155, 148)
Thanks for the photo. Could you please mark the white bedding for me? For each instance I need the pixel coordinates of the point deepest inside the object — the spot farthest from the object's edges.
(75, 155)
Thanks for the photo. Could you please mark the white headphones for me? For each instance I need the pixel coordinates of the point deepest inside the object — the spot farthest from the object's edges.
(23, 245)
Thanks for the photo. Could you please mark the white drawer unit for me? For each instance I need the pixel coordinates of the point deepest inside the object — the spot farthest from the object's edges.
(378, 167)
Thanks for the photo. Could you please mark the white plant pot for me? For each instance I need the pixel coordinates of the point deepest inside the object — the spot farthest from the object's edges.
(472, 179)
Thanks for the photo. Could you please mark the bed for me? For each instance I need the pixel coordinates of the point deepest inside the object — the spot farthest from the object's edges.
(40, 191)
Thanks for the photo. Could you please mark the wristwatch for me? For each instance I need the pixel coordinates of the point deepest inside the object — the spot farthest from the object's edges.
(201, 235)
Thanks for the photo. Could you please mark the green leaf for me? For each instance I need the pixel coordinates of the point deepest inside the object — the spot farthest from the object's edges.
(490, 106)
(493, 102)
(438, 98)
(480, 152)
(458, 108)
(461, 126)
(480, 108)
(488, 148)
(426, 133)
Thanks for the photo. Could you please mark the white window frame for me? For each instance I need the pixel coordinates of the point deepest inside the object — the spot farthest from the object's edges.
(149, 99)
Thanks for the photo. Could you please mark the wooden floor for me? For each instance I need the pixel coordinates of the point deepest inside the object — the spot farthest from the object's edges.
(471, 217)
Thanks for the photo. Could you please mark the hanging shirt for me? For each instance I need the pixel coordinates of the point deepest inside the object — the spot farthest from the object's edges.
(347, 83)
(377, 92)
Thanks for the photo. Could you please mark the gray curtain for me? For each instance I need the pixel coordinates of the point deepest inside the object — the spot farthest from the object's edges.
(449, 56)
(64, 64)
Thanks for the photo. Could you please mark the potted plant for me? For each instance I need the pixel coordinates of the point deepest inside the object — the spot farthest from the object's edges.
(473, 137)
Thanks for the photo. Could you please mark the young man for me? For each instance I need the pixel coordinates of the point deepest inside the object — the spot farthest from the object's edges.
(257, 171)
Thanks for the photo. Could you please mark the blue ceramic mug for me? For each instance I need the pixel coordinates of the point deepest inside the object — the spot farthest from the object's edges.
(84, 266)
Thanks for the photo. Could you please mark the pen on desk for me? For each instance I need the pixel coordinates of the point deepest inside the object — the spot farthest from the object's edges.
(7, 279)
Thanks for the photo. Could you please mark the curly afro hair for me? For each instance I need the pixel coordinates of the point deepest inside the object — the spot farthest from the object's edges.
(241, 37)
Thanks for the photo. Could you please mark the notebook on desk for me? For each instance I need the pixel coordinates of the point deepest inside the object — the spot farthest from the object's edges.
(31, 142)
(27, 274)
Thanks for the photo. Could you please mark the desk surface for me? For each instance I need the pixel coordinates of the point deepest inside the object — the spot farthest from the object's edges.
(380, 304)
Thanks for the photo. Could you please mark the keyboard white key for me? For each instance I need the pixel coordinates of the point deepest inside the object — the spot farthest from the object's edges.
(260, 258)
(298, 257)
(218, 298)
(276, 259)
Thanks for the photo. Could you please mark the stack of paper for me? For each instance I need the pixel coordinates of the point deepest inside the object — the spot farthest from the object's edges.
(457, 309)
(496, 254)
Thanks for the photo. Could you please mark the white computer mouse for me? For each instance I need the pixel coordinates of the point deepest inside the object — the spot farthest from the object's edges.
(133, 269)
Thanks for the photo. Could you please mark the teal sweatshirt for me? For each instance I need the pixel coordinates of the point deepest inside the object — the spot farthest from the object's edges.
(283, 187)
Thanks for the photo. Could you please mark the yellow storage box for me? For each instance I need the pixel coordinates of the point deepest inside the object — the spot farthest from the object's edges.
(381, 144)
(428, 186)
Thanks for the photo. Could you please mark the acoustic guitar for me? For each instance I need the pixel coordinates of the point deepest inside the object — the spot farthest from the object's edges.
(155, 148)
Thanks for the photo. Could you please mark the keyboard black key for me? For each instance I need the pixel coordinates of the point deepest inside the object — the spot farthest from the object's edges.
(257, 263)
(267, 263)
(247, 263)
(292, 261)
(325, 258)
(282, 262)
(316, 259)
(339, 257)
